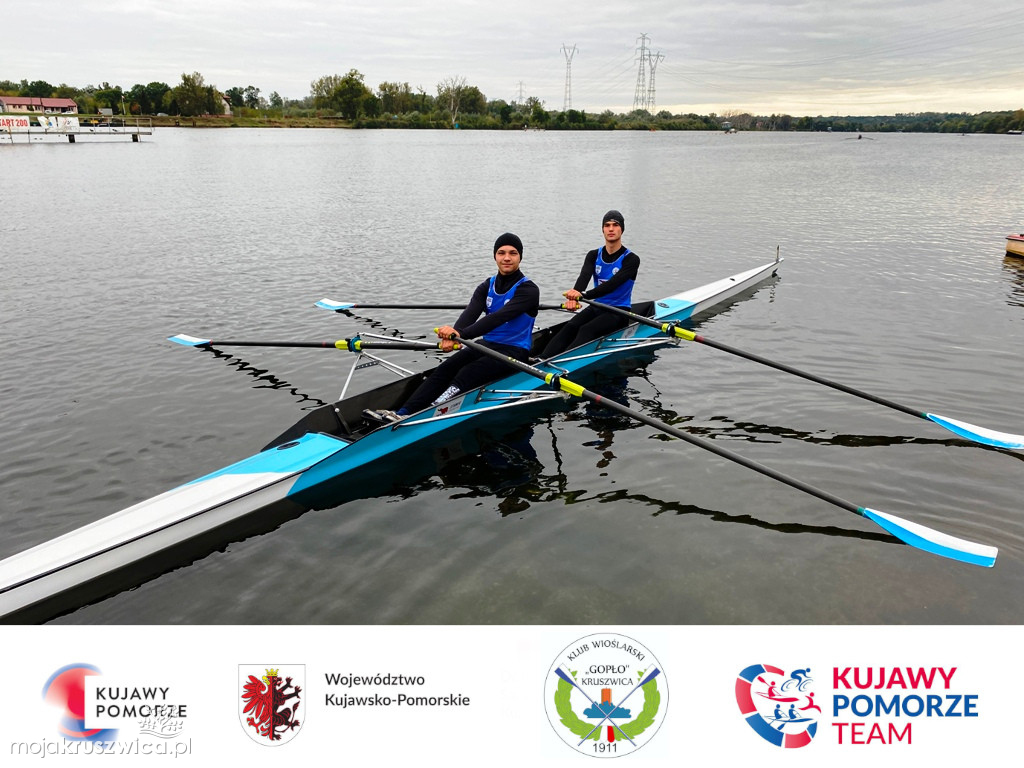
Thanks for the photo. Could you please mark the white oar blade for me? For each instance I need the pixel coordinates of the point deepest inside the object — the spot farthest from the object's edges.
(979, 434)
(334, 306)
(937, 543)
(188, 341)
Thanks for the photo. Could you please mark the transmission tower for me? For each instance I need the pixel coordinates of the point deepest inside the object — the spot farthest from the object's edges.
(518, 100)
(567, 102)
(652, 62)
(640, 94)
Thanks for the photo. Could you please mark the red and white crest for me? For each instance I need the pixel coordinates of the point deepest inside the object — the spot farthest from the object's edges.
(270, 702)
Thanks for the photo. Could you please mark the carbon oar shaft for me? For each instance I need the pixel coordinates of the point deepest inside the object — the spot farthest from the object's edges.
(981, 435)
(345, 306)
(351, 345)
(911, 533)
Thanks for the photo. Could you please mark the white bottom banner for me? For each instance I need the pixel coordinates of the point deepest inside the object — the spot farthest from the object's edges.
(509, 696)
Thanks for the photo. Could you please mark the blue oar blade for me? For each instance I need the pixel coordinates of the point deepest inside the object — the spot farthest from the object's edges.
(561, 674)
(650, 677)
(335, 306)
(937, 543)
(979, 434)
(188, 341)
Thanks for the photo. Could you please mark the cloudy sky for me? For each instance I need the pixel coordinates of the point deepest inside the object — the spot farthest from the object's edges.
(847, 57)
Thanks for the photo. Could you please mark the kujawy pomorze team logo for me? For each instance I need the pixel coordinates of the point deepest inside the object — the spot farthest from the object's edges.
(269, 702)
(779, 706)
(606, 695)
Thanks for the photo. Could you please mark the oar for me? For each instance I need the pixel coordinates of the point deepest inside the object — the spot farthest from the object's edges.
(914, 534)
(345, 306)
(641, 684)
(351, 345)
(981, 435)
(570, 681)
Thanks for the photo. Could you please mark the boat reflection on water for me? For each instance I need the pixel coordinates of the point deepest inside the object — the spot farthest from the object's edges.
(1013, 266)
(496, 460)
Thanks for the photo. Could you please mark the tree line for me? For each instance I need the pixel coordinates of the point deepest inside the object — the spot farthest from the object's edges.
(456, 103)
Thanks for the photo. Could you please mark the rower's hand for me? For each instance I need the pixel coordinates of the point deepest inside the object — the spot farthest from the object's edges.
(445, 334)
(573, 300)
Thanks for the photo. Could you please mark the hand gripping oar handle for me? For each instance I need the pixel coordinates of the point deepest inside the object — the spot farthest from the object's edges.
(981, 435)
(350, 345)
(916, 535)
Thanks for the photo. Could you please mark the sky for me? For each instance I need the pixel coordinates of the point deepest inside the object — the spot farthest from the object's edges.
(847, 57)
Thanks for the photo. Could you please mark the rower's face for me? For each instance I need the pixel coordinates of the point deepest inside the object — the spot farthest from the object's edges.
(507, 258)
(612, 231)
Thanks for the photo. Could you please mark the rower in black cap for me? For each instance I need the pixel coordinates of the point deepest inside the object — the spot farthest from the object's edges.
(509, 303)
(613, 268)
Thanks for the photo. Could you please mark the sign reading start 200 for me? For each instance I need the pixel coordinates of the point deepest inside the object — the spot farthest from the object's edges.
(17, 123)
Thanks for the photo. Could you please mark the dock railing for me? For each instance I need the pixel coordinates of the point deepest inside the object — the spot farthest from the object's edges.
(27, 128)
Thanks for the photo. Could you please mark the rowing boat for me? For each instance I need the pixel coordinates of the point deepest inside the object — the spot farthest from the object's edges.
(1015, 244)
(325, 444)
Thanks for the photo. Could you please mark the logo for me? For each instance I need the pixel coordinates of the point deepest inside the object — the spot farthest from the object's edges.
(269, 702)
(778, 706)
(66, 690)
(606, 695)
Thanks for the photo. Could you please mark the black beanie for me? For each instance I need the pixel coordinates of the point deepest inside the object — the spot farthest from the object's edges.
(508, 239)
(615, 216)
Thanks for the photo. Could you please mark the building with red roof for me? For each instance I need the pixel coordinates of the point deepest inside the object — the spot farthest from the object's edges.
(36, 104)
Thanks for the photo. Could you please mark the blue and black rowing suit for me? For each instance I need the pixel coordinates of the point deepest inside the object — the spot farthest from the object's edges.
(509, 305)
(614, 275)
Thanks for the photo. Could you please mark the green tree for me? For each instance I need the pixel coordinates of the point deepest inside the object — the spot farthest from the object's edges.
(473, 102)
(38, 88)
(345, 94)
(236, 95)
(252, 97)
(155, 93)
(538, 115)
(192, 95)
(396, 98)
(350, 95)
(323, 89)
(108, 97)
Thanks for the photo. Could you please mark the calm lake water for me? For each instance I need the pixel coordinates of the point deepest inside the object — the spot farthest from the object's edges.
(894, 281)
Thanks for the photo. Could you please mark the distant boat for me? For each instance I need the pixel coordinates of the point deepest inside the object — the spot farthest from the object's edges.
(1015, 245)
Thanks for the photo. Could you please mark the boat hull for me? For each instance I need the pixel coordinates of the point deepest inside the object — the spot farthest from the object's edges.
(1015, 245)
(310, 455)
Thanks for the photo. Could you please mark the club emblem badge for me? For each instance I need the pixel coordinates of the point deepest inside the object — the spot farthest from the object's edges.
(606, 695)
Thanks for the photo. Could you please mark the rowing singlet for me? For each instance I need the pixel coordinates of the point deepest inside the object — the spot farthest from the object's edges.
(621, 296)
(517, 332)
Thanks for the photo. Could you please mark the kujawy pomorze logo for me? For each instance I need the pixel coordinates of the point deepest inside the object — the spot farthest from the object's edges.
(269, 702)
(779, 706)
(66, 690)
